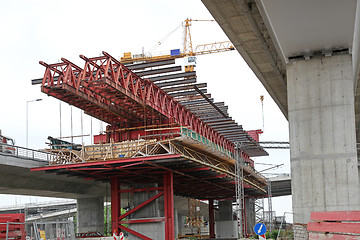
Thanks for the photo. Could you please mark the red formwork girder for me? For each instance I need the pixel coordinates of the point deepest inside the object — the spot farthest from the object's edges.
(109, 91)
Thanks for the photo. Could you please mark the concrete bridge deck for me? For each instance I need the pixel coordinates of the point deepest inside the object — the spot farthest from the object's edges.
(16, 178)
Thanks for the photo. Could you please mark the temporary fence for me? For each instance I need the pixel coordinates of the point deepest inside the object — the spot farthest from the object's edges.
(12, 226)
(56, 230)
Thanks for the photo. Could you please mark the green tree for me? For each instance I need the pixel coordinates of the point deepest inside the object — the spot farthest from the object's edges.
(107, 220)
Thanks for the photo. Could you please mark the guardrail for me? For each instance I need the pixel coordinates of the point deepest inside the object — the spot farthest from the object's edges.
(25, 152)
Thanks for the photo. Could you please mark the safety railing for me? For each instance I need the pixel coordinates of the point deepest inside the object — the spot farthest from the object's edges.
(25, 152)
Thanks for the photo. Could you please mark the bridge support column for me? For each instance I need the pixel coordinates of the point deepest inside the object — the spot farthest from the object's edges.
(226, 226)
(323, 155)
(211, 219)
(250, 214)
(90, 216)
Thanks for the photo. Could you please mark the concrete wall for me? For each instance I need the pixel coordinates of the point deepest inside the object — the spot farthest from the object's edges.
(90, 215)
(324, 169)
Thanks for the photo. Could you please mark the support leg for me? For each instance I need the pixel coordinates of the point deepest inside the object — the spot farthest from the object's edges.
(115, 204)
(211, 219)
(169, 206)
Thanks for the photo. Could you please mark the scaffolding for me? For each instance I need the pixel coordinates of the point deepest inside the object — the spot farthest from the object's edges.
(259, 210)
(239, 186)
(271, 222)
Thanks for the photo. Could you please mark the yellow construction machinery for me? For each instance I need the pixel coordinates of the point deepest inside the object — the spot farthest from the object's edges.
(188, 50)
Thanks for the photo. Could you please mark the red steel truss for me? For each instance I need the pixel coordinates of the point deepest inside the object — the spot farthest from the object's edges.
(109, 91)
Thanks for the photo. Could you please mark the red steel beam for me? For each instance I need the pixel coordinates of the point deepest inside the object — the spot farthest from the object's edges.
(169, 206)
(107, 163)
(135, 233)
(141, 205)
(133, 190)
(145, 220)
(115, 203)
(211, 219)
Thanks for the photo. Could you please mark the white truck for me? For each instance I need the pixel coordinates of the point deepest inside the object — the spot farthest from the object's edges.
(7, 144)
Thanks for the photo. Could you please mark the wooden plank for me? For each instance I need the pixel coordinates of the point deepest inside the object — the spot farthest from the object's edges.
(336, 216)
(329, 236)
(334, 227)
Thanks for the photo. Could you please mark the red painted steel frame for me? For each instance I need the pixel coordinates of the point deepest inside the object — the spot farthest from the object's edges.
(16, 231)
(109, 91)
(211, 219)
(115, 203)
(169, 205)
(166, 191)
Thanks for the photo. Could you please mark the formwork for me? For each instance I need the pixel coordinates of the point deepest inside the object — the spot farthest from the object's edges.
(164, 130)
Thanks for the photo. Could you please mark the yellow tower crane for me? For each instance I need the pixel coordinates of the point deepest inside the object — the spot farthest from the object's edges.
(188, 49)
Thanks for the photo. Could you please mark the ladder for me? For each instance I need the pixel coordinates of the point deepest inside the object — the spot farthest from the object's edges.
(271, 222)
(239, 189)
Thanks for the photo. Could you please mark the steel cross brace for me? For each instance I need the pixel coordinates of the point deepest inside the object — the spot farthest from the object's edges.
(167, 192)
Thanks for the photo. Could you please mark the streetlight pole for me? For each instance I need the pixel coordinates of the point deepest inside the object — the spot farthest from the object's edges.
(27, 120)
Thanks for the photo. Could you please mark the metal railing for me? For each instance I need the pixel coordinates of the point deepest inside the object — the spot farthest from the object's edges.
(16, 233)
(28, 153)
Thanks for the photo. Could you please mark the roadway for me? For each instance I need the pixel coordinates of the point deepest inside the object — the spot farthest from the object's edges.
(16, 178)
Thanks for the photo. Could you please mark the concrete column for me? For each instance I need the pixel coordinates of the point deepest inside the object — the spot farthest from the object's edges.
(90, 215)
(225, 226)
(324, 169)
(250, 214)
(176, 222)
(225, 211)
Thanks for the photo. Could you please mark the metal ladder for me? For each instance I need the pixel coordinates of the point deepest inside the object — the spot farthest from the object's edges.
(239, 189)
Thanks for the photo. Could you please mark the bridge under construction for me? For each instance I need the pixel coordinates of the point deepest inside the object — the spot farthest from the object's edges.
(166, 135)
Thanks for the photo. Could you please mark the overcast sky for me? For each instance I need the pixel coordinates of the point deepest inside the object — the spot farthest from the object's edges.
(48, 30)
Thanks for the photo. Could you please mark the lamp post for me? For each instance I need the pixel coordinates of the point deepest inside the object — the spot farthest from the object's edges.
(27, 118)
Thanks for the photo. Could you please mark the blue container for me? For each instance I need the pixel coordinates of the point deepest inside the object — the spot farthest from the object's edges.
(175, 52)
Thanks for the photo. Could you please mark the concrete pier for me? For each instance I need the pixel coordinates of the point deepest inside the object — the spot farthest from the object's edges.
(324, 166)
(90, 217)
(225, 225)
(250, 214)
